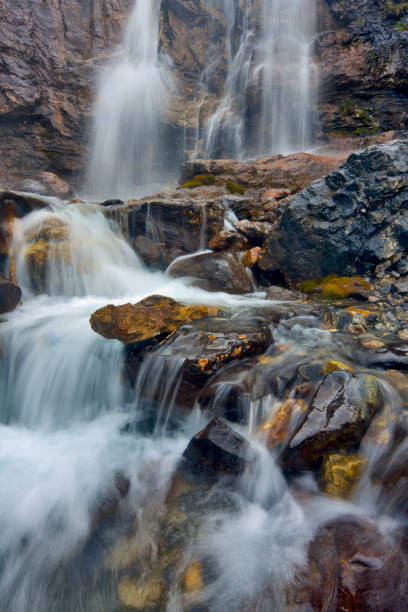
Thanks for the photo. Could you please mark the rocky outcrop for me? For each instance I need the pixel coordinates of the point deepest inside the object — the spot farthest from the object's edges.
(363, 69)
(48, 55)
(152, 319)
(348, 222)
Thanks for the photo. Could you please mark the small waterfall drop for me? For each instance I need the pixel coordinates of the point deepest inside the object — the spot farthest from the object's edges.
(130, 105)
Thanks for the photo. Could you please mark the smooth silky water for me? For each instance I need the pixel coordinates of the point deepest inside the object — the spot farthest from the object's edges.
(64, 412)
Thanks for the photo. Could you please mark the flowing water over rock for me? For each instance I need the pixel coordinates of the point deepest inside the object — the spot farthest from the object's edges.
(97, 512)
(268, 48)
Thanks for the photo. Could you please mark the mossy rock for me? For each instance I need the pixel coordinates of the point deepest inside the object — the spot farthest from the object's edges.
(337, 287)
(200, 180)
(235, 189)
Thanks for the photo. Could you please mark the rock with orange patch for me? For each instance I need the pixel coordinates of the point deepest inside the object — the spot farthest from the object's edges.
(279, 426)
(193, 580)
(155, 317)
(251, 257)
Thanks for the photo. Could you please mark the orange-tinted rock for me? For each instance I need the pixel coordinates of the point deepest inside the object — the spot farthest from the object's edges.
(154, 317)
(250, 258)
(278, 427)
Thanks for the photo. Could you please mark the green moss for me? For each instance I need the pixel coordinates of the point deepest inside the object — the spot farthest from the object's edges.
(347, 108)
(47, 134)
(336, 287)
(234, 188)
(401, 26)
(199, 181)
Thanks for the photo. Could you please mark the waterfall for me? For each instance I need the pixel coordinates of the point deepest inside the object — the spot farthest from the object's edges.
(131, 99)
(287, 72)
(269, 93)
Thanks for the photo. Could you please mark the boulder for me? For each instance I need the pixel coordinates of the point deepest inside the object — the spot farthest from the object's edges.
(218, 448)
(346, 223)
(10, 295)
(154, 318)
(215, 272)
(339, 416)
(354, 566)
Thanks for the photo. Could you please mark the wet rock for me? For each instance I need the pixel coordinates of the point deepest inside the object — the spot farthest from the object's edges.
(340, 473)
(250, 258)
(10, 295)
(153, 318)
(215, 272)
(229, 240)
(353, 566)
(138, 595)
(390, 472)
(237, 391)
(193, 580)
(349, 221)
(393, 355)
(282, 294)
(47, 245)
(164, 228)
(339, 416)
(281, 424)
(218, 448)
(16, 205)
(254, 231)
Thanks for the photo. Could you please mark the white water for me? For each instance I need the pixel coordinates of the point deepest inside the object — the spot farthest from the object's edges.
(130, 105)
(278, 63)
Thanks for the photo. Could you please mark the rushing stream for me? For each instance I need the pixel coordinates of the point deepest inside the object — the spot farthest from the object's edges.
(63, 411)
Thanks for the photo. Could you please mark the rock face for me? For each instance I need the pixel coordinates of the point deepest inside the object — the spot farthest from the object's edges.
(153, 318)
(48, 55)
(291, 173)
(347, 222)
(363, 69)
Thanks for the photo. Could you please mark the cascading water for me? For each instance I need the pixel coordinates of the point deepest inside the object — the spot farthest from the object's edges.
(269, 95)
(64, 415)
(130, 105)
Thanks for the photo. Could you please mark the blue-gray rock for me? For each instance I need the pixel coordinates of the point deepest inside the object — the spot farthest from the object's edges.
(346, 223)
